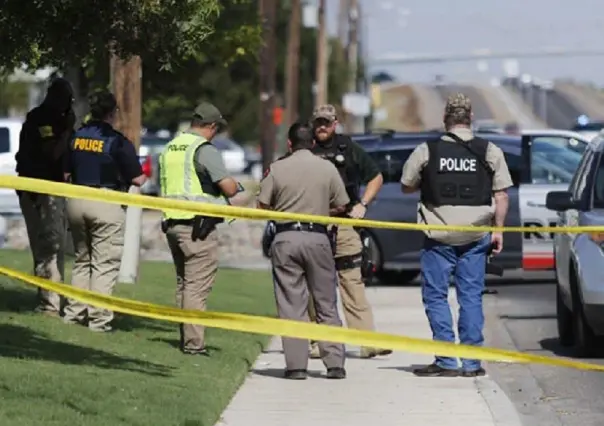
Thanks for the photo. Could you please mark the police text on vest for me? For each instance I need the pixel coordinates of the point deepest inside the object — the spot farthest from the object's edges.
(91, 145)
(457, 165)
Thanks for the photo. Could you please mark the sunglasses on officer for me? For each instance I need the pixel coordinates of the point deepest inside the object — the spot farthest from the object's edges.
(322, 122)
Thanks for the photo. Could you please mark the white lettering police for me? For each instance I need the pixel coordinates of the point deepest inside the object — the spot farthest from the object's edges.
(457, 165)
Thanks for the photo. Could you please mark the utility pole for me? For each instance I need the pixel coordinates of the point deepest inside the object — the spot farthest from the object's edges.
(343, 13)
(353, 57)
(268, 67)
(321, 95)
(126, 83)
(292, 72)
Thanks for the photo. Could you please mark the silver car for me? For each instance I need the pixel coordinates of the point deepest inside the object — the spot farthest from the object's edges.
(579, 257)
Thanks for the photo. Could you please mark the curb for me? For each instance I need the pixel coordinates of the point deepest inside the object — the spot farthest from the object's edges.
(502, 409)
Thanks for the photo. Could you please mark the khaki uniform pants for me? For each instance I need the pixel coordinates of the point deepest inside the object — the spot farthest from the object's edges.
(303, 264)
(196, 264)
(357, 311)
(97, 230)
(44, 217)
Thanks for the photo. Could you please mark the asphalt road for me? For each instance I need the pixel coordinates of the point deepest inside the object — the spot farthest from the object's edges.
(479, 106)
(522, 317)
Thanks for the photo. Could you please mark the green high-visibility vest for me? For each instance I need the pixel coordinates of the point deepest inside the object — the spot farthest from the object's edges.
(178, 177)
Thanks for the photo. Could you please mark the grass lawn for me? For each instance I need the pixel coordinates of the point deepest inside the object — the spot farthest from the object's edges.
(55, 374)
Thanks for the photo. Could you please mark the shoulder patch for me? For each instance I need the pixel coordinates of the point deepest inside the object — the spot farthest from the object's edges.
(265, 174)
(46, 131)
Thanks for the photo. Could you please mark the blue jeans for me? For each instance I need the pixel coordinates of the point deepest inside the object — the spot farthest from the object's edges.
(468, 264)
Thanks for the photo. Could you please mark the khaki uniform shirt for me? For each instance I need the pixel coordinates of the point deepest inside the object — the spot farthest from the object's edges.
(456, 215)
(303, 183)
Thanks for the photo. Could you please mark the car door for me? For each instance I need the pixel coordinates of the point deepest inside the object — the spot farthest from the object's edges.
(549, 165)
(563, 242)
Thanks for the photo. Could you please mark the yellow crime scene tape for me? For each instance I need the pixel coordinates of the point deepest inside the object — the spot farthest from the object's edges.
(296, 329)
(257, 324)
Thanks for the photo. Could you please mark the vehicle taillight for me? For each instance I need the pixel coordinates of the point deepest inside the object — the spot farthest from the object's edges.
(147, 166)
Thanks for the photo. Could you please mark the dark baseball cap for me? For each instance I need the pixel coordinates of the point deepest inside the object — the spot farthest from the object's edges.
(208, 113)
(326, 112)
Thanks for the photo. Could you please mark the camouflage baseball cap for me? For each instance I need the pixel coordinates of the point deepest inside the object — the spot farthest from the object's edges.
(458, 106)
(208, 113)
(328, 112)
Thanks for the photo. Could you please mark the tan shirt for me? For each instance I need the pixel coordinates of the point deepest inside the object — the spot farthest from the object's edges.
(456, 215)
(303, 183)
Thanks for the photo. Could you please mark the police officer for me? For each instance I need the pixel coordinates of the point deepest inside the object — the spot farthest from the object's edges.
(463, 181)
(191, 168)
(98, 157)
(43, 141)
(301, 253)
(355, 168)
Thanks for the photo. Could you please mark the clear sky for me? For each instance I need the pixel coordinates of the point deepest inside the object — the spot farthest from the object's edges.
(460, 26)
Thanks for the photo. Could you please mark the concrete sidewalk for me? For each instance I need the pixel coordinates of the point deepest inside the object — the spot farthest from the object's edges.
(381, 391)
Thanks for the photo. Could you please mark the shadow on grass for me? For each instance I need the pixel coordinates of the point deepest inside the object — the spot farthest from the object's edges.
(16, 299)
(23, 300)
(23, 343)
(129, 323)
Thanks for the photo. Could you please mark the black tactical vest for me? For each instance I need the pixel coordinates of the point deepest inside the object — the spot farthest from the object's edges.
(457, 174)
(339, 152)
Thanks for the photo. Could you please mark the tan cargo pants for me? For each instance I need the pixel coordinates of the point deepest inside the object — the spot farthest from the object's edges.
(196, 264)
(97, 231)
(44, 217)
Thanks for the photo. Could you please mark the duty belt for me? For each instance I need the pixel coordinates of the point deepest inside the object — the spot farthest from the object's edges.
(300, 226)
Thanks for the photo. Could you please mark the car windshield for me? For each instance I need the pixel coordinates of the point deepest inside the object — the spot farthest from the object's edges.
(553, 163)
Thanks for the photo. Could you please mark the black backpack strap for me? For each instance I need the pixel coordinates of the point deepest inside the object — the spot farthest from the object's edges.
(466, 145)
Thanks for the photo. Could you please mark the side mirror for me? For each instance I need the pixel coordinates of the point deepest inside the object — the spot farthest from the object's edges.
(560, 201)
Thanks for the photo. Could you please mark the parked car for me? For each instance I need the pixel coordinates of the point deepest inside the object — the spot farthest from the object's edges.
(579, 257)
(233, 154)
(10, 128)
(539, 161)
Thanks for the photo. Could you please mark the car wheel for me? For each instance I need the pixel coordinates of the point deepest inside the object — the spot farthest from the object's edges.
(564, 318)
(586, 344)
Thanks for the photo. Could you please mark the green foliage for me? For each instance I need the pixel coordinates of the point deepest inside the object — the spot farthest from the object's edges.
(54, 32)
(170, 97)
